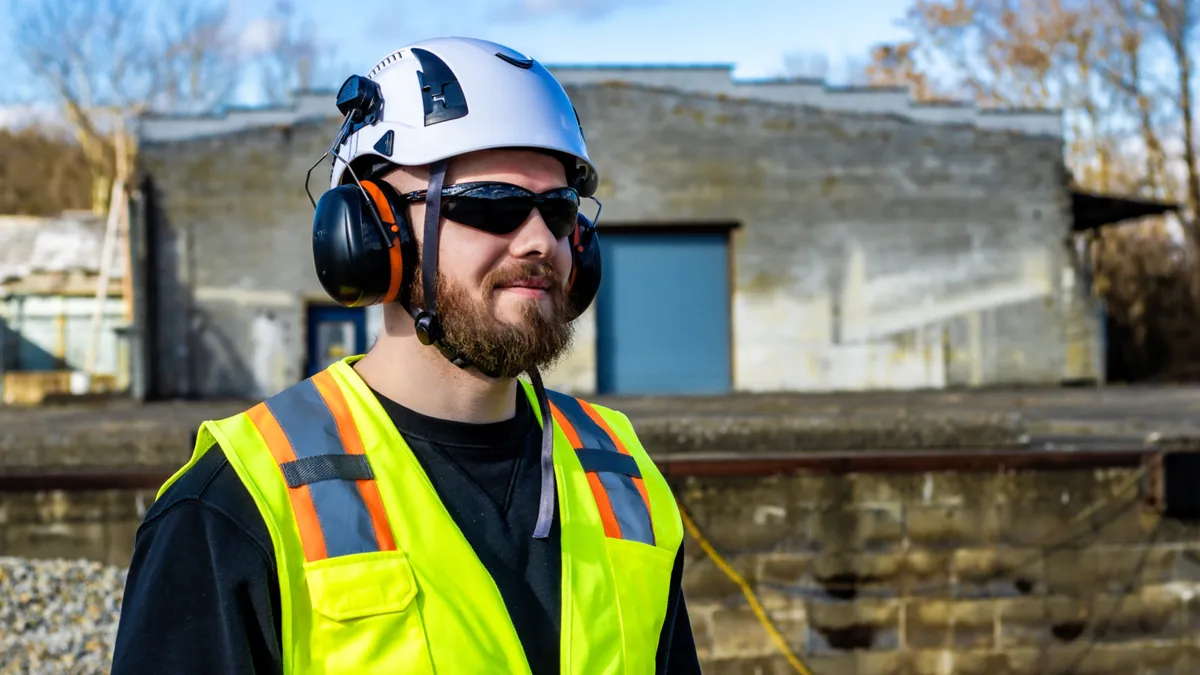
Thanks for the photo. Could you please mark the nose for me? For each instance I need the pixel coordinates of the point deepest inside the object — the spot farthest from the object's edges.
(533, 239)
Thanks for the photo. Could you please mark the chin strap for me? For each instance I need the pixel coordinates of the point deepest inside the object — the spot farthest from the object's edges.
(429, 327)
(429, 332)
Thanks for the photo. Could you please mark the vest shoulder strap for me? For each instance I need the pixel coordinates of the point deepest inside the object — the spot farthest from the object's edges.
(614, 474)
(312, 436)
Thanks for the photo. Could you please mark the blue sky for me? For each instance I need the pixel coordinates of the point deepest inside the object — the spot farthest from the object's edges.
(752, 35)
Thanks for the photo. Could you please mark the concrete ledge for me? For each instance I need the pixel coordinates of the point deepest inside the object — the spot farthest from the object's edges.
(168, 442)
(831, 429)
(779, 433)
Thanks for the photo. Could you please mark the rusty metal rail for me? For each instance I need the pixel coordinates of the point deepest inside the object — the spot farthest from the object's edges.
(81, 479)
(683, 465)
(903, 461)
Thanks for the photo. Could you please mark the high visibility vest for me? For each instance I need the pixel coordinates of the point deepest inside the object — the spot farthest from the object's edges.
(375, 576)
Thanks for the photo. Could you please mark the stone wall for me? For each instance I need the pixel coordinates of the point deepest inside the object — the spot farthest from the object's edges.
(871, 251)
(93, 524)
(1004, 572)
(882, 573)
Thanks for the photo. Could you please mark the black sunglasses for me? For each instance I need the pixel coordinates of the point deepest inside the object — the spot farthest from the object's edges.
(500, 208)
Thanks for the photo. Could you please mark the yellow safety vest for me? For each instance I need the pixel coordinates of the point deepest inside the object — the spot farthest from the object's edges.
(375, 576)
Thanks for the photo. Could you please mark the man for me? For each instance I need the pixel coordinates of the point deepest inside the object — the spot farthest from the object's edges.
(422, 508)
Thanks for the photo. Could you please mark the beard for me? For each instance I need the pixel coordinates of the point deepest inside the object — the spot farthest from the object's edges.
(538, 339)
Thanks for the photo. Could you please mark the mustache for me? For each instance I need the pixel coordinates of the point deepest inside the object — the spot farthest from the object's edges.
(524, 273)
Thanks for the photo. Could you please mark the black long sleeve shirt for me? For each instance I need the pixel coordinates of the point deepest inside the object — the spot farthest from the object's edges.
(202, 595)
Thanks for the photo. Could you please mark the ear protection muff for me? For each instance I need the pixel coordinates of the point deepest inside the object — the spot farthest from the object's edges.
(585, 266)
(363, 246)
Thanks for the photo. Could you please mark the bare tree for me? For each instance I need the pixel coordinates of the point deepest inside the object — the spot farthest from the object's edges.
(290, 54)
(1176, 21)
(199, 68)
(894, 65)
(1085, 57)
(41, 173)
(107, 61)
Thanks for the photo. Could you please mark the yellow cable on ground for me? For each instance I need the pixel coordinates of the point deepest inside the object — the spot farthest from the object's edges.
(746, 590)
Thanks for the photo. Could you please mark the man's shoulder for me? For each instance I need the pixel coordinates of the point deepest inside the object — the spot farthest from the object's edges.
(580, 407)
(583, 400)
(210, 484)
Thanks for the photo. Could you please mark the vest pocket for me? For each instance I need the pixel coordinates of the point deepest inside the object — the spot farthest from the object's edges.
(642, 573)
(365, 616)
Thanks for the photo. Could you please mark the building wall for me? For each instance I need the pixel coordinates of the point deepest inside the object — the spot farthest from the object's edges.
(872, 251)
(233, 259)
(870, 248)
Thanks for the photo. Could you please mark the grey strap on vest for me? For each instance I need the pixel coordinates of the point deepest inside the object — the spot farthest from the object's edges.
(318, 468)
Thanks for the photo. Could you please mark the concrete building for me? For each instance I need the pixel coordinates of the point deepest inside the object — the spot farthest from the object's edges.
(757, 236)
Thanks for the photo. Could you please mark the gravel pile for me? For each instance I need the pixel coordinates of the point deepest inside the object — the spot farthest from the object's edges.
(58, 616)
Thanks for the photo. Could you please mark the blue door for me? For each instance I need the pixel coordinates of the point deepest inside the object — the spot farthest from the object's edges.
(662, 314)
(334, 332)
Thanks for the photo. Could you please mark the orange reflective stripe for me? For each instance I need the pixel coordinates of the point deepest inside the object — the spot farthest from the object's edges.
(352, 442)
(563, 424)
(302, 502)
(607, 516)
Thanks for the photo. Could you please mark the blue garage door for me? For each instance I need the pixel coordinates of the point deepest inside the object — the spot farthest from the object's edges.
(662, 314)
(334, 332)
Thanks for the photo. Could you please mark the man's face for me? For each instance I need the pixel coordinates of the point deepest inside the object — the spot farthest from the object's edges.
(502, 299)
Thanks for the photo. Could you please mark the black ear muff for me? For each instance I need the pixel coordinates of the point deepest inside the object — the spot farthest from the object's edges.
(585, 268)
(351, 235)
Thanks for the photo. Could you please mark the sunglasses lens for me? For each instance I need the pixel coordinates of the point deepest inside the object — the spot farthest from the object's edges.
(560, 209)
(500, 208)
(496, 215)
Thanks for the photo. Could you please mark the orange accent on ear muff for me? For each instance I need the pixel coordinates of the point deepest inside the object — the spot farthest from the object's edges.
(396, 258)
(397, 265)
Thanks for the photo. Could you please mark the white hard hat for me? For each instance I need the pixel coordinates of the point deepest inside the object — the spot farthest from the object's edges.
(443, 97)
